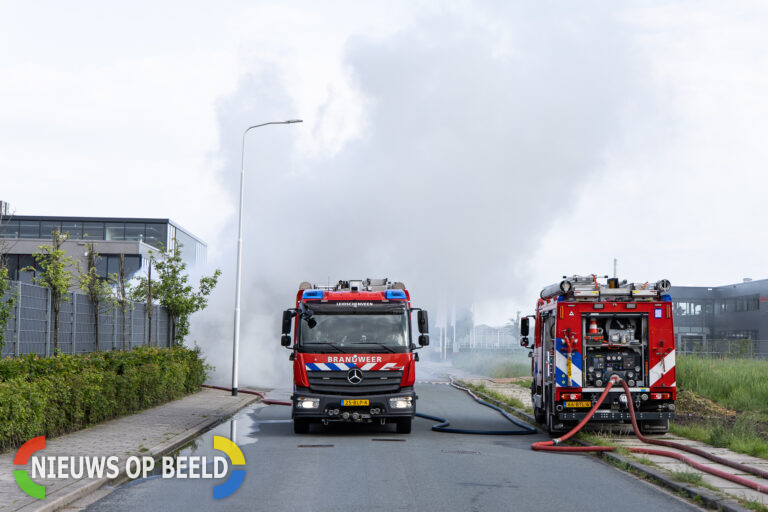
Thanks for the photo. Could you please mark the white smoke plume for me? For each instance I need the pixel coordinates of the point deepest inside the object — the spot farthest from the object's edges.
(474, 131)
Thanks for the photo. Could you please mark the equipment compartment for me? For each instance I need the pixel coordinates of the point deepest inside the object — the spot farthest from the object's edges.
(615, 344)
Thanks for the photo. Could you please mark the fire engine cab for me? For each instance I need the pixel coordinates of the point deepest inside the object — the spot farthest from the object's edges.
(352, 352)
(585, 333)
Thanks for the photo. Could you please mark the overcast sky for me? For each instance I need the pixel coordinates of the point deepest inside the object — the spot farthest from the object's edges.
(477, 151)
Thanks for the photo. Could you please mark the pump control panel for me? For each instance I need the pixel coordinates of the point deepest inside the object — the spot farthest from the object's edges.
(602, 363)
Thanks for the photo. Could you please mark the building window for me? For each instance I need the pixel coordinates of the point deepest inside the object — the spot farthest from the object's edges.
(738, 304)
(132, 264)
(688, 308)
(47, 229)
(134, 231)
(109, 264)
(29, 229)
(26, 260)
(9, 229)
(156, 234)
(114, 231)
(93, 230)
(11, 262)
(101, 266)
(75, 230)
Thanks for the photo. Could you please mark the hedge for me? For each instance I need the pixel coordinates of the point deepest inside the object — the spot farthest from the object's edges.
(55, 395)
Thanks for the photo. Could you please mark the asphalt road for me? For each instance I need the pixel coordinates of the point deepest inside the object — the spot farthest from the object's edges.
(373, 468)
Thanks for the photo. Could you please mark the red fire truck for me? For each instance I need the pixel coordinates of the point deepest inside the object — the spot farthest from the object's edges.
(586, 332)
(353, 356)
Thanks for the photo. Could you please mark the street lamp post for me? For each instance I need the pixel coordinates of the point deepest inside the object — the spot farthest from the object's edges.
(236, 340)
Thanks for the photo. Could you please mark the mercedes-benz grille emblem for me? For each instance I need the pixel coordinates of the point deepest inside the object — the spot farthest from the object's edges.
(355, 376)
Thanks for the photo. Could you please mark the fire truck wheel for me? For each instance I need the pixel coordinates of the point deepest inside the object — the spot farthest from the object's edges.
(654, 426)
(404, 426)
(300, 426)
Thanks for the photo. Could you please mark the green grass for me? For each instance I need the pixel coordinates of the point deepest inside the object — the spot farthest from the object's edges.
(511, 401)
(739, 437)
(497, 366)
(688, 477)
(754, 505)
(594, 438)
(739, 384)
(525, 383)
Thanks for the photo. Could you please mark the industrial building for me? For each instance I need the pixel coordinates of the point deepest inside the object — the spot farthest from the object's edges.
(21, 235)
(722, 319)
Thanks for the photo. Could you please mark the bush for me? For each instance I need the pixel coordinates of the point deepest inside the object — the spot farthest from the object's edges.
(55, 395)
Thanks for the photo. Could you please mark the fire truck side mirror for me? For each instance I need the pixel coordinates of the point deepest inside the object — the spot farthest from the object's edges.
(524, 341)
(287, 321)
(285, 340)
(524, 326)
(424, 340)
(423, 321)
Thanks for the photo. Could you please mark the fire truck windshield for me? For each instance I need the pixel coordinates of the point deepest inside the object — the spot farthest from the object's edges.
(358, 333)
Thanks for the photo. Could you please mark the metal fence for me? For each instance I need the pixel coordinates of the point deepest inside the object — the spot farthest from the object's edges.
(752, 349)
(30, 328)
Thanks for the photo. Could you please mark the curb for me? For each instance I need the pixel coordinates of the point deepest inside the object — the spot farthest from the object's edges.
(652, 475)
(156, 452)
(707, 497)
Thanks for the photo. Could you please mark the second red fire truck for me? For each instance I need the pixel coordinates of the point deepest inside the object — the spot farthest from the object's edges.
(353, 356)
(585, 333)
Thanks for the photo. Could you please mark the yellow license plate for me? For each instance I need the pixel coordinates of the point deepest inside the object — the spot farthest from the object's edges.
(578, 404)
(353, 403)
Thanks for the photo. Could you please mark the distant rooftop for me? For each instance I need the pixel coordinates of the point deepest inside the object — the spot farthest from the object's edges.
(151, 231)
(747, 286)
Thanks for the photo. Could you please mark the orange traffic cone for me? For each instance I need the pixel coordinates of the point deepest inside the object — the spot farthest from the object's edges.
(593, 327)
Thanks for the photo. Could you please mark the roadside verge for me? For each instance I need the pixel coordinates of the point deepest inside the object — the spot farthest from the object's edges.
(156, 432)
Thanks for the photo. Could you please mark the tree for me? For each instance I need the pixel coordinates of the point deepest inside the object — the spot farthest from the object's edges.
(6, 304)
(122, 293)
(142, 292)
(96, 287)
(52, 272)
(174, 292)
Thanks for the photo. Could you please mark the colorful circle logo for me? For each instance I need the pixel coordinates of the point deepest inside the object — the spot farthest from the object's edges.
(21, 475)
(238, 475)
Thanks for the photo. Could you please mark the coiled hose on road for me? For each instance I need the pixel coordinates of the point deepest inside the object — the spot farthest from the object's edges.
(554, 446)
(443, 426)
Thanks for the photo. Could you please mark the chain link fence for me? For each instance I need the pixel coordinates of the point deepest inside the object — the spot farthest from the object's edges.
(30, 328)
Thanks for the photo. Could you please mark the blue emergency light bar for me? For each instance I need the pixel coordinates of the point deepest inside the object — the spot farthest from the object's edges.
(312, 294)
(395, 294)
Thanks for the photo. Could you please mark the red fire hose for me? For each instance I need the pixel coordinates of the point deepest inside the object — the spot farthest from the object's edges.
(264, 399)
(553, 446)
